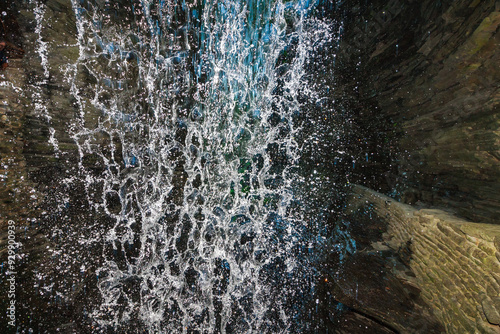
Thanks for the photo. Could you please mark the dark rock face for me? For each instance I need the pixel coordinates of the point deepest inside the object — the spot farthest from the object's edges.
(371, 289)
(422, 78)
(49, 257)
(375, 286)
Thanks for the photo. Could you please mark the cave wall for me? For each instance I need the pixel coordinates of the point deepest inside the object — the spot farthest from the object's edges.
(455, 262)
(37, 158)
(17, 194)
(421, 79)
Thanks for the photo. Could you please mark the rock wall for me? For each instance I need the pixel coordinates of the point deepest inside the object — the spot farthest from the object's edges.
(17, 193)
(455, 262)
(421, 79)
(38, 157)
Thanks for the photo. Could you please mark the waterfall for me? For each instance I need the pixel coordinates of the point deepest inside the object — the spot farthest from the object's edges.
(190, 134)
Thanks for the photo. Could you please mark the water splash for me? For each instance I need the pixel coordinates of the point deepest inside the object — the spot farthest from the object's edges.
(37, 93)
(188, 112)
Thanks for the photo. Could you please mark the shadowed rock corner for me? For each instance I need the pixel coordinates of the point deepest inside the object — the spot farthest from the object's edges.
(374, 288)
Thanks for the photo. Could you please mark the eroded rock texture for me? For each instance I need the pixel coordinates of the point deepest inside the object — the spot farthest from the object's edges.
(454, 263)
(421, 79)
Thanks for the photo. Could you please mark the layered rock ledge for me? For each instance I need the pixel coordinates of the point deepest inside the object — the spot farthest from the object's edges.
(455, 262)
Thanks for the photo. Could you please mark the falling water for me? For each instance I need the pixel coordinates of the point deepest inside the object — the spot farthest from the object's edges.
(187, 135)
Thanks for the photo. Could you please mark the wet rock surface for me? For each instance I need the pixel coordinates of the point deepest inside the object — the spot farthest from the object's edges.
(449, 260)
(53, 289)
(422, 81)
(375, 285)
(370, 288)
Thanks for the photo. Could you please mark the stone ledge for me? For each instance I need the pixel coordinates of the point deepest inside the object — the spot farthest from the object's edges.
(456, 262)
